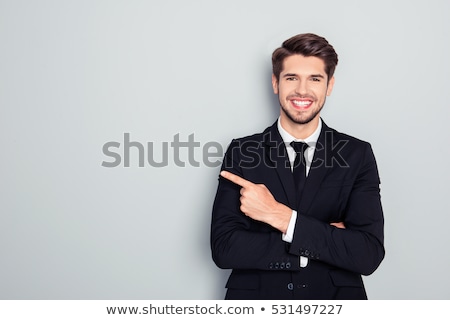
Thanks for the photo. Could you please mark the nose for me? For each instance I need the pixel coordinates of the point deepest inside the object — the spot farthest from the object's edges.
(301, 88)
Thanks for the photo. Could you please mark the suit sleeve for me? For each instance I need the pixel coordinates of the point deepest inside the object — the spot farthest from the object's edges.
(238, 242)
(359, 247)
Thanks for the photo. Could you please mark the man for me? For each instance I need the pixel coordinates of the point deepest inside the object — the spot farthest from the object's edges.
(298, 223)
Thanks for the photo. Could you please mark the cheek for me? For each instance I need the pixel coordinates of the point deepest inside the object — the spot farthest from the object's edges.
(286, 90)
(322, 93)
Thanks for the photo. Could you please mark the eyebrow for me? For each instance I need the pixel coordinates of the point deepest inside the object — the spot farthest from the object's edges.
(311, 75)
(290, 75)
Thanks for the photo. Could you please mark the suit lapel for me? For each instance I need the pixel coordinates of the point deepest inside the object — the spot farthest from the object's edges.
(318, 170)
(277, 157)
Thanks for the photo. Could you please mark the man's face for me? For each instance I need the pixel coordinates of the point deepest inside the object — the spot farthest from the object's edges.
(302, 89)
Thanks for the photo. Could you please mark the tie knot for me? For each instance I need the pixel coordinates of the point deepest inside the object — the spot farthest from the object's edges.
(299, 146)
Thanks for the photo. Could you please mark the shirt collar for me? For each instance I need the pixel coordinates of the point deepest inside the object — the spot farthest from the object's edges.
(311, 140)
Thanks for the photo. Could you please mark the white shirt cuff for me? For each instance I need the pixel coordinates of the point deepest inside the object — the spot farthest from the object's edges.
(303, 261)
(289, 235)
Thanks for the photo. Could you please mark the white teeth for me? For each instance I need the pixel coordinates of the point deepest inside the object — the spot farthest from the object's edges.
(301, 103)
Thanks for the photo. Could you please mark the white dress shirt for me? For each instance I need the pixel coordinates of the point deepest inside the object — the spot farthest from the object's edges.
(309, 154)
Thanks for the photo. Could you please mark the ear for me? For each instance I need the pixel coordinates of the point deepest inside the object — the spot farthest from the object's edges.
(330, 86)
(274, 84)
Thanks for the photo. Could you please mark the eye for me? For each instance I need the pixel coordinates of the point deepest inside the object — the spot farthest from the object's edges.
(315, 79)
(291, 78)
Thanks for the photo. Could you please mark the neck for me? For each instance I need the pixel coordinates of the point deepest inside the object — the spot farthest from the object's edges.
(297, 130)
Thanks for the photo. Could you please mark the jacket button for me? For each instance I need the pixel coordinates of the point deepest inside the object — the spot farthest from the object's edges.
(270, 265)
(277, 265)
(282, 265)
(290, 286)
(288, 265)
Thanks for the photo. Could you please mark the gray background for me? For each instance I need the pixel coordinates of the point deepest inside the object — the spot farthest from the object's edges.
(77, 74)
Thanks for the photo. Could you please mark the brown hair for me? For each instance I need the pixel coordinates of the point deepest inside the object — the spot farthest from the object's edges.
(308, 45)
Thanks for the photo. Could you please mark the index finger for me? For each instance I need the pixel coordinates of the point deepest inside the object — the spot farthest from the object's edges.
(339, 225)
(236, 179)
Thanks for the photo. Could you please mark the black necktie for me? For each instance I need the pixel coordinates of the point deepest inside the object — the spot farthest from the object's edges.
(299, 170)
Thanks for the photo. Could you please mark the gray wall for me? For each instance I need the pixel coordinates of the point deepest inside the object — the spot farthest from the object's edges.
(75, 75)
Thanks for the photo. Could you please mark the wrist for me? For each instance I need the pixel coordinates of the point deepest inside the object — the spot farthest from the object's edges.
(282, 217)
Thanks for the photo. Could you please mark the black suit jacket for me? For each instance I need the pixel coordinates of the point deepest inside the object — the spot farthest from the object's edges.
(342, 185)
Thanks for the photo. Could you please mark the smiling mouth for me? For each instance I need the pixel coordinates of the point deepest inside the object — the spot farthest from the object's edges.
(301, 104)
